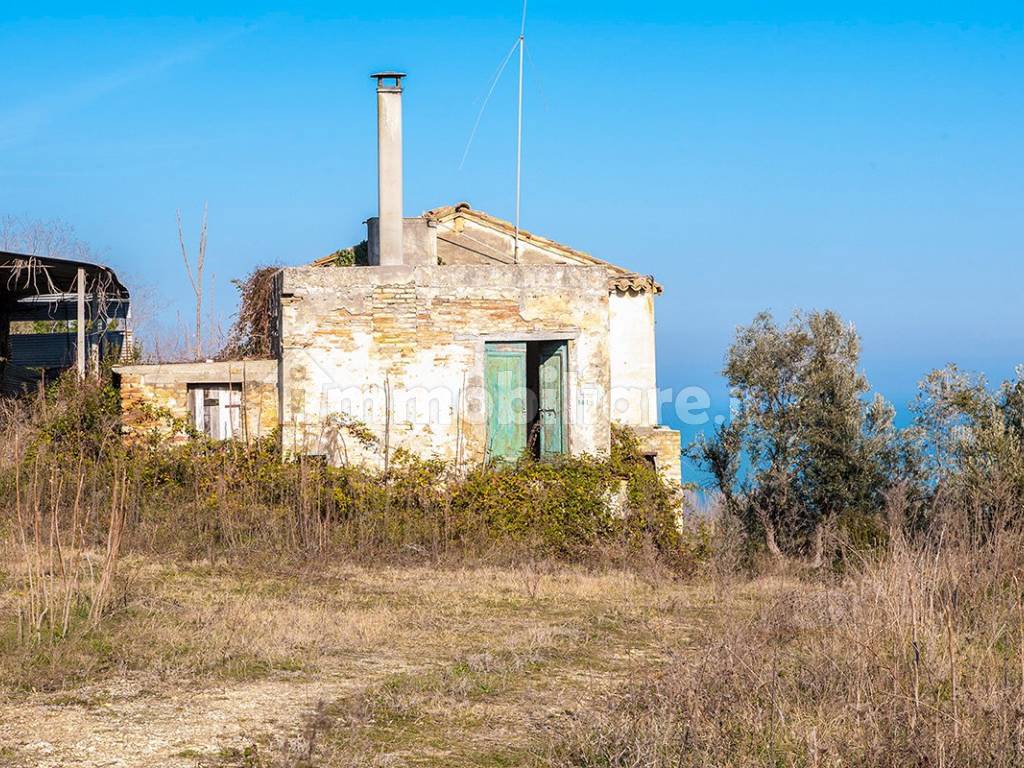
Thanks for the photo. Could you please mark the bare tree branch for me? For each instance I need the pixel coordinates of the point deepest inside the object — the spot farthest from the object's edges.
(196, 277)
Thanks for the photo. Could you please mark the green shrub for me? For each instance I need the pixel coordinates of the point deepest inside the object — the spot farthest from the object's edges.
(214, 499)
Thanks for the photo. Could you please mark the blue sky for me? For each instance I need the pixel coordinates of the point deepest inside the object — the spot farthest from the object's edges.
(867, 157)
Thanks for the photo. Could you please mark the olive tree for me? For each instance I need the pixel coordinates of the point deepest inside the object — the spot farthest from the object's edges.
(974, 438)
(805, 444)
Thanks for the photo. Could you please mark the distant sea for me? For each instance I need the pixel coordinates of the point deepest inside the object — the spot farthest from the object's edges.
(689, 432)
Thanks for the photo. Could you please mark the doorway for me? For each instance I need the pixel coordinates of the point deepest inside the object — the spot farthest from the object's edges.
(526, 385)
(216, 410)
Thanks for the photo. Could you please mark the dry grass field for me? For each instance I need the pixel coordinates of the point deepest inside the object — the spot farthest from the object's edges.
(217, 606)
(916, 658)
(331, 665)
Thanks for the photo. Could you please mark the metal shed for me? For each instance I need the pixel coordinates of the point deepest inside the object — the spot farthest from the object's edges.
(86, 302)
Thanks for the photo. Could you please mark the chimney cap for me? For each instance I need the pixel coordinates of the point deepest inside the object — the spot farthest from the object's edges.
(380, 77)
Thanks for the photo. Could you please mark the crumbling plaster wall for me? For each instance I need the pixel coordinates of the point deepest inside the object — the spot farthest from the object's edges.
(150, 391)
(634, 398)
(400, 349)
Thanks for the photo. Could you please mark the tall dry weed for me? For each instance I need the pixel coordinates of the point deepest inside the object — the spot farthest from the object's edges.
(912, 658)
(75, 497)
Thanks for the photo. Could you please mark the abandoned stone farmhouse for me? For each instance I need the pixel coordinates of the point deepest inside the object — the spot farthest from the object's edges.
(453, 336)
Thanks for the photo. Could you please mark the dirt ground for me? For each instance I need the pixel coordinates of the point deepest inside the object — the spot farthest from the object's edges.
(337, 666)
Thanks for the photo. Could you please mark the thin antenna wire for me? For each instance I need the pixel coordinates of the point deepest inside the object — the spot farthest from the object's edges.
(519, 132)
(494, 83)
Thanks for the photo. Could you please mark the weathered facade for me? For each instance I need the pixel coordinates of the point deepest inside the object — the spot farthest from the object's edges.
(226, 399)
(460, 338)
(402, 349)
(469, 237)
(405, 350)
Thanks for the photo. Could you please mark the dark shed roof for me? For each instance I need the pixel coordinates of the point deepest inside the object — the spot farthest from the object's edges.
(46, 288)
(41, 287)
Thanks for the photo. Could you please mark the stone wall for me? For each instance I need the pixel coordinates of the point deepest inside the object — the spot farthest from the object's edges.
(147, 391)
(400, 349)
(664, 445)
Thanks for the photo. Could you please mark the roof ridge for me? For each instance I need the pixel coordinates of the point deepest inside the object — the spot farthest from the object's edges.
(620, 277)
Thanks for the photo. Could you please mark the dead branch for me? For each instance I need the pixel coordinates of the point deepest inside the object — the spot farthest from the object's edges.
(196, 277)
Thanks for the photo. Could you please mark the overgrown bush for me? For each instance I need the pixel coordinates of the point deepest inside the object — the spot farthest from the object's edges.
(207, 499)
(253, 330)
(78, 498)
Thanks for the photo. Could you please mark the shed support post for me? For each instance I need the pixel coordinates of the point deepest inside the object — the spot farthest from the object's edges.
(5, 338)
(80, 327)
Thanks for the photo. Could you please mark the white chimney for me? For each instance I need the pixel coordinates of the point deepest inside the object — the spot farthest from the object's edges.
(389, 166)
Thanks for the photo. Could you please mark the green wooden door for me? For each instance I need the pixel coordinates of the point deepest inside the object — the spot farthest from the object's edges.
(551, 397)
(505, 381)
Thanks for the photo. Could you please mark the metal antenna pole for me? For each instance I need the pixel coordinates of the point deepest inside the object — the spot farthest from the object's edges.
(519, 132)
